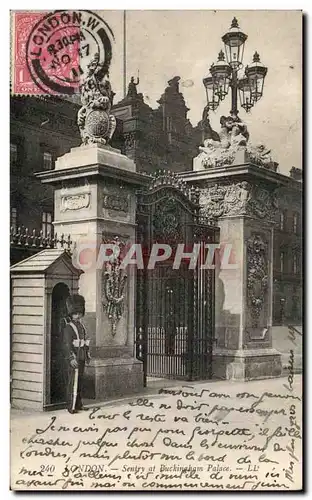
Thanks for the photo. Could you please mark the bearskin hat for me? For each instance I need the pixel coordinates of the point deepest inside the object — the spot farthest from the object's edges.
(75, 304)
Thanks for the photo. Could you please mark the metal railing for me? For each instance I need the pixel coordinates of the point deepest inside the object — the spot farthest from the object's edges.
(36, 240)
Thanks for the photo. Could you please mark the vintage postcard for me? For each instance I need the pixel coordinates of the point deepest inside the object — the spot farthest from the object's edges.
(156, 250)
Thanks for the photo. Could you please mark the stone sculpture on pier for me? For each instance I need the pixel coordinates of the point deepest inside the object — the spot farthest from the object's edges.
(95, 122)
(230, 145)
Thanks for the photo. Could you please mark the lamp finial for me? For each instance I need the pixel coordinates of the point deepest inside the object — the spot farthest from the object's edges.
(234, 23)
(256, 57)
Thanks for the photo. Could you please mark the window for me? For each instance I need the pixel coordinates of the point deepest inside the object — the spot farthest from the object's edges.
(14, 219)
(169, 128)
(47, 160)
(13, 153)
(283, 220)
(46, 223)
(169, 123)
(295, 264)
(282, 261)
(295, 222)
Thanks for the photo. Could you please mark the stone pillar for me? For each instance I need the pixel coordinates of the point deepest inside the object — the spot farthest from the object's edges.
(95, 201)
(242, 199)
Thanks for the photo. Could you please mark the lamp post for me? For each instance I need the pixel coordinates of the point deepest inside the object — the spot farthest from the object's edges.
(224, 74)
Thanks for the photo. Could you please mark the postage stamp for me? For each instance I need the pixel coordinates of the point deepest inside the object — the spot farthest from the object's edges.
(22, 82)
(51, 50)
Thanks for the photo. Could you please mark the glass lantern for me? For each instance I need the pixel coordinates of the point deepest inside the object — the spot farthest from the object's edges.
(245, 94)
(221, 74)
(213, 99)
(256, 73)
(234, 43)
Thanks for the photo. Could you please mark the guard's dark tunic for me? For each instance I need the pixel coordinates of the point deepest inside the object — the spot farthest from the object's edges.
(76, 346)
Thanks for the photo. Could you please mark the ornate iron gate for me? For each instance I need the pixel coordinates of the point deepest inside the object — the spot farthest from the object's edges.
(175, 306)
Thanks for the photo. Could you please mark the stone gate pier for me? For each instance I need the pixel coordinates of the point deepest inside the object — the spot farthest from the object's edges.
(94, 189)
(241, 197)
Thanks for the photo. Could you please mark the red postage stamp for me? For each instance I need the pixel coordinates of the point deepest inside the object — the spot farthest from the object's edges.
(22, 82)
(52, 50)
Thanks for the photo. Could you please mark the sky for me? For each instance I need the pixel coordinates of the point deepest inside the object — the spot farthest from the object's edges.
(162, 44)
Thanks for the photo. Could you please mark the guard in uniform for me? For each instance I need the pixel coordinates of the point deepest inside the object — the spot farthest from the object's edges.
(76, 346)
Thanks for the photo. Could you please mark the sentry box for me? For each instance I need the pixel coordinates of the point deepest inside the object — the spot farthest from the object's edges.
(39, 288)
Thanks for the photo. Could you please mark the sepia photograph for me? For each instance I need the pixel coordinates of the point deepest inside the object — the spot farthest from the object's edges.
(156, 241)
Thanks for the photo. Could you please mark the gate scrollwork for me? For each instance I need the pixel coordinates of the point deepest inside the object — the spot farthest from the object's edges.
(257, 275)
(114, 280)
(167, 221)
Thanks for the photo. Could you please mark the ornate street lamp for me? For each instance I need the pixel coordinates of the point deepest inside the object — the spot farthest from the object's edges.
(221, 74)
(224, 74)
(211, 88)
(234, 43)
(256, 73)
(245, 94)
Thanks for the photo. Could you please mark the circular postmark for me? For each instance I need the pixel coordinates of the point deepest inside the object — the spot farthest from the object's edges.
(62, 44)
